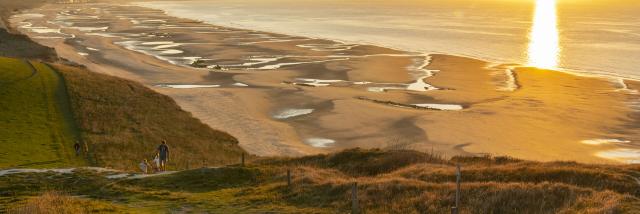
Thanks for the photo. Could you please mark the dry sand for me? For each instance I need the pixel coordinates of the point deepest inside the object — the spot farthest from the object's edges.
(361, 98)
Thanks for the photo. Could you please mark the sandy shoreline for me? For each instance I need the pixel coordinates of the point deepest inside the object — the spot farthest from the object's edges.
(498, 109)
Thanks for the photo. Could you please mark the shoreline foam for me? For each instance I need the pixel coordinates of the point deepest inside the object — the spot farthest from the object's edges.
(578, 72)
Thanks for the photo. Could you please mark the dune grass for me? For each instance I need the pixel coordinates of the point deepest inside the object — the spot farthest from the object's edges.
(57, 202)
(123, 122)
(405, 182)
(35, 120)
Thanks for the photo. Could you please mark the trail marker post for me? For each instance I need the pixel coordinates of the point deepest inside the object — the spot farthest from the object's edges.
(454, 210)
(242, 161)
(355, 208)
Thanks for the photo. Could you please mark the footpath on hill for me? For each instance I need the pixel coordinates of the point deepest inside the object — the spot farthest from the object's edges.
(37, 125)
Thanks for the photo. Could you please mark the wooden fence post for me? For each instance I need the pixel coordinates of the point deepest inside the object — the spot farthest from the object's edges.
(289, 178)
(355, 208)
(454, 210)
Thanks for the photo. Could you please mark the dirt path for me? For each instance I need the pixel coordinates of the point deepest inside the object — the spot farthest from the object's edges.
(64, 107)
(34, 71)
(109, 173)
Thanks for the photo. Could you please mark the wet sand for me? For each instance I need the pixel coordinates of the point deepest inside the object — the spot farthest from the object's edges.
(284, 95)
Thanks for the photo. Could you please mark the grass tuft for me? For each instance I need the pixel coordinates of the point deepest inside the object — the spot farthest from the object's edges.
(57, 202)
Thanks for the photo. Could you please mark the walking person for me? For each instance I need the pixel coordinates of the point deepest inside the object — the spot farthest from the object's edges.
(144, 166)
(86, 148)
(76, 146)
(156, 163)
(163, 151)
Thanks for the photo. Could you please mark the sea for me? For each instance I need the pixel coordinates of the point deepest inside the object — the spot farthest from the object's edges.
(596, 37)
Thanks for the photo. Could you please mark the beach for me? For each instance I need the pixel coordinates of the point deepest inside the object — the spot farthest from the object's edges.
(285, 95)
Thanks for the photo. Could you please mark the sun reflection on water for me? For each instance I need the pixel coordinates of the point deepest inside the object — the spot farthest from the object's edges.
(544, 39)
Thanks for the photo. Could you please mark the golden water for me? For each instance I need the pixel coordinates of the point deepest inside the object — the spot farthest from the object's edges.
(544, 39)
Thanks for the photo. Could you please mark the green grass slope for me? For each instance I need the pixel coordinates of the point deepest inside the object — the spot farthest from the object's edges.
(403, 182)
(36, 127)
(123, 122)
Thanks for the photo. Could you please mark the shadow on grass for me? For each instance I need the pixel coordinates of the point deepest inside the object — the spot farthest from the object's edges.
(201, 180)
(40, 163)
(360, 162)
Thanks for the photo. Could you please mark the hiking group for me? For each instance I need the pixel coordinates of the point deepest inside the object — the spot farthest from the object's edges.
(159, 161)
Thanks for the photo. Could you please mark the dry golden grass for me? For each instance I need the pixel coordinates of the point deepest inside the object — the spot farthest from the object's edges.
(58, 203)
(413, 182)
(358, 162)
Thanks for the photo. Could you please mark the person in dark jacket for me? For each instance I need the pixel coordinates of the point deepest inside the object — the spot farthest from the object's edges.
(163, 151)
(76, 146)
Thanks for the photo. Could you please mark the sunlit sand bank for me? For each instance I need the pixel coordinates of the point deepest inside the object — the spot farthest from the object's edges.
(287, 95)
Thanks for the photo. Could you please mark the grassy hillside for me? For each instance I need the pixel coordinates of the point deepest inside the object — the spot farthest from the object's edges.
(16, 45)
(43, 112)
(35, 119)
(11, 6)
(403, 182)
(123, 122)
